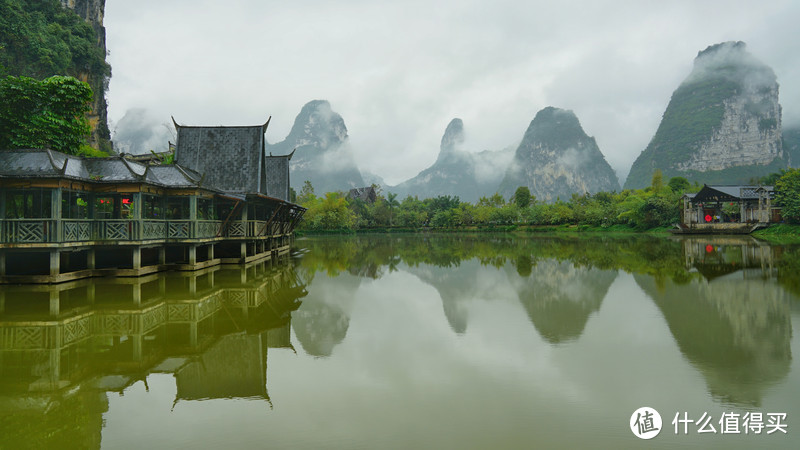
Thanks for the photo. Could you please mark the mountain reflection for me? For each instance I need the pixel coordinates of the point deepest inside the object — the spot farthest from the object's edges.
(559, 298)
(63, 347)
(734, 324)
(726, 300)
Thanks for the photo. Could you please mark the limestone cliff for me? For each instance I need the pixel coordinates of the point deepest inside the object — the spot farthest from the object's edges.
(93, 11)
(556, 159)
(456, 171)
(722, 124)
(323, 154)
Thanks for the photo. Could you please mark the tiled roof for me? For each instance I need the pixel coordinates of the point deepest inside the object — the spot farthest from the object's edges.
(230, 158)
(115, 169)
(742, 192)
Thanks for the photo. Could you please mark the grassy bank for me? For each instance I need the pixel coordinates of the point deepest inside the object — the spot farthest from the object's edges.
(780, 233)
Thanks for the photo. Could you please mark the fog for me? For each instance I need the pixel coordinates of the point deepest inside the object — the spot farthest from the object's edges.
(398, 72)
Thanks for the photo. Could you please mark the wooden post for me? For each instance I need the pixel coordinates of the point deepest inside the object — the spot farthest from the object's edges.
(137, 347)
(243, 250)
(137, 294)
(193, 254)
(210, 252)
(193, 217)
(193, 334)
(55, 263)
(136, 256)
(55, 215)
(2, 264)
(55, 302)
(90, 259)
(137, 216)
(162, 255)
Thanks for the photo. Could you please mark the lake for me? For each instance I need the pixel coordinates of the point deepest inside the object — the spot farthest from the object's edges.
(417, 341)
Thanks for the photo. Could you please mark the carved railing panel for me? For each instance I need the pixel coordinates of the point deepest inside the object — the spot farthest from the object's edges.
(76, 230)
(26, 231)
(208, 228)
(116, 230)
(236, 229)
(154, 229)
(179, 230)
(76, 330)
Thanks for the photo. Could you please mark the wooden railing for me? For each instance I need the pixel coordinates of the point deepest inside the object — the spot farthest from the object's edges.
(32, 231)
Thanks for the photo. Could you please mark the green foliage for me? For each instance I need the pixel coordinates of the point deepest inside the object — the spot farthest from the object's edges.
(44, 114)
(329, 213)
(306, 194)
(695, 110)
(657, 182)
(89, 151)
(522, 197)
(41, 38)
(679, 184)
(787, 195)
(628, 210)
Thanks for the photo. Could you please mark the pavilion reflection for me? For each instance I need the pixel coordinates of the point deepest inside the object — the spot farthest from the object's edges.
(718, 256)
(733, 324)
(72, 343)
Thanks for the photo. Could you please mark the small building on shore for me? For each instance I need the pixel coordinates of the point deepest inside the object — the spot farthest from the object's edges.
(65, 217)
(738, 209)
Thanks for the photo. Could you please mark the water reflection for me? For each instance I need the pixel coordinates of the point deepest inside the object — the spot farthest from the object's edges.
(64, 347)
(724, 299)
(394, 324)
(559, 297)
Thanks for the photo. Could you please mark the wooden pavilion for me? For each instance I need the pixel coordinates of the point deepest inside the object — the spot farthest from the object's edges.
(65, 217)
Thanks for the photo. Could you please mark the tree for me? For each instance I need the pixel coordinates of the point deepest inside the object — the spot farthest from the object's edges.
(41, 38)
(306, 193)
(44, 114)
(658, 181)
(787, 195)
(678, 184)
(522, 197)
(392, 203)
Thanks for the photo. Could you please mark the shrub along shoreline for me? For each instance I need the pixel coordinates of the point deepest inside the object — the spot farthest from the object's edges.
(655, 209)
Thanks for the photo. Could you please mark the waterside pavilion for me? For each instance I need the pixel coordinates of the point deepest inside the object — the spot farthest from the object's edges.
(728, 210)
(224, 200)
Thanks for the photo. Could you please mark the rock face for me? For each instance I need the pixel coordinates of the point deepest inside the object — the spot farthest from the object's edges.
(457, 172)
(323, 154)
(722, 124)
(556, 159)
(93, 11)
(791, 145)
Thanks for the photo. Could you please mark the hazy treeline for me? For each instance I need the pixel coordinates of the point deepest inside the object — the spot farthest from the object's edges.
(655, 206)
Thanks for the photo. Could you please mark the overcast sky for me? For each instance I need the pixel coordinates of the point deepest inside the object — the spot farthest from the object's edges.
(399, 71)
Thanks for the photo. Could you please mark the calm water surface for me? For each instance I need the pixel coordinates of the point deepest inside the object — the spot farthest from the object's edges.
(484, 341)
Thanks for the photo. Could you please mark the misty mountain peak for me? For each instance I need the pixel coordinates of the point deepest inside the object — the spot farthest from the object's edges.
(722, 124)
(556, 158)
(323, 155)
(732, 61)
(453, 136)
(552, 124)
(318, 126)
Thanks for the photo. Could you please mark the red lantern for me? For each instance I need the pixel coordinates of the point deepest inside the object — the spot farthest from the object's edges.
(708, 218)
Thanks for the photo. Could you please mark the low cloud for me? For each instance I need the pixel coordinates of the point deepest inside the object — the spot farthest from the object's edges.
(139, 131)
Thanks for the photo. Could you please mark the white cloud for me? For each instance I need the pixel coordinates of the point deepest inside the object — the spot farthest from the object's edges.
(398, 72)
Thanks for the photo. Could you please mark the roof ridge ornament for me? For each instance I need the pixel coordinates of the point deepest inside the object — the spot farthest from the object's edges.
(61, 170)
